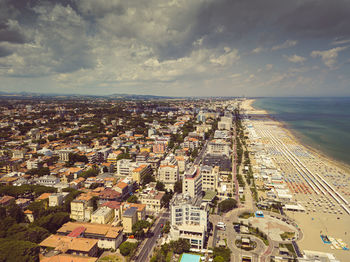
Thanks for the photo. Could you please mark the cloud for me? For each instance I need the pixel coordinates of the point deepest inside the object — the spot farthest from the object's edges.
(329, 57)
(228, 58)
(295, 58)
(286, 44)
(313, 18)
(340, 41)
(258, 50)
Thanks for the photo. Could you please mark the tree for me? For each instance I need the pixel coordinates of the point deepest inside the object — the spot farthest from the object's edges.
(178, 186)
(127, 247)
(223, 252)
(138, 228)
(133, 199)
(180, 246)
(227, 205)
(52, 222)
(160, 186)
(25, 251)
(148, 178)
(166, 199)
(166, 228)
(219, 259)
(16, 212)
(92, 172)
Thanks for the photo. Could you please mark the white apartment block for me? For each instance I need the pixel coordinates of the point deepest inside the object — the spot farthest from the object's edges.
(189, 220)
(152, 199)
(169, 175)
(219, 147)
(33, 163)
(225, 123)
(81, 208)
(210, 177)
(192, 182)
(103, 215)
(125, 166)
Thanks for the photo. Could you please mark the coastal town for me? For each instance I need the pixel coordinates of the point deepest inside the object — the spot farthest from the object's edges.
(173, 180)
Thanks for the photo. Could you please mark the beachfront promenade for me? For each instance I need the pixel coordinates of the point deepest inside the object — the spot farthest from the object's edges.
(317, 186)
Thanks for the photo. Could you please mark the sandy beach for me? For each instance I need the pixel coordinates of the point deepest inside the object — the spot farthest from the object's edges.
(318, 183)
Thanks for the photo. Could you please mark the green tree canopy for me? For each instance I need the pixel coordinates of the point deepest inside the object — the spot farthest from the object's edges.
(148, 178)
(18, 251)
(126, 248)
(227, 205)
(133, 199)
(160, 186)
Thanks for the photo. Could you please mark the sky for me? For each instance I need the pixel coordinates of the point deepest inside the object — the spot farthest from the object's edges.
(176, 47)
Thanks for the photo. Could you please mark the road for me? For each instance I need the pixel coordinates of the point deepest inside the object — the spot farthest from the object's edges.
(201, 154)
(234, 168)
(144, 254)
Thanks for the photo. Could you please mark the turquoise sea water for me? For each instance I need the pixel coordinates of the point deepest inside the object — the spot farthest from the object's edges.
(322, 123)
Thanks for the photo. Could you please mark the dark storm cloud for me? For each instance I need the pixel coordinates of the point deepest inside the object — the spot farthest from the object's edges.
(9, 35)
(239, 18)
(319, 19)
(4, 52)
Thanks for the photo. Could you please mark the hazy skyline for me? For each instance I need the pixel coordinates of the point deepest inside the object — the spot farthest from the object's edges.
(176, 48)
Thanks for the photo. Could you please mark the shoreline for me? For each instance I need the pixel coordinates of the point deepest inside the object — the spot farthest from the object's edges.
(298, 138)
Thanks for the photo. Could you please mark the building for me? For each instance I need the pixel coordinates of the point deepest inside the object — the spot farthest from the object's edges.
(225, 123)
(48, 180)
(57, 199)
(68, 258)
(129, 218)
(210, 177)
(139, 173)
(169, 175)
(219, 147)
(192, 182)
(152, 199)
(159, 147)
(103, 215)
(81, 208)
(124, 167)
(189, 220)
(71, 245)
(64, 155)
(32, 163)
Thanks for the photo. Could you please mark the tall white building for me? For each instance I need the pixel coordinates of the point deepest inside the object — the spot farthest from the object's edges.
(168, 172)
(189, 219)
(125, 167)
(225, 123)
(219, 147)
(192, 182)
(210, 177)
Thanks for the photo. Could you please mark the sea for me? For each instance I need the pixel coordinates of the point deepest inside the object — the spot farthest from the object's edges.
(321, 123)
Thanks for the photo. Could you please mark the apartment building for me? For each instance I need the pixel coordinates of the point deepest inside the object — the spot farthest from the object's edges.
(81, 208)
(102, 215)
(192, 182)
(225, 123)
(107, 236)
(152, 198)
(210, 177)
(57, 199)
(189, 219)
(169, 175)
(139, 172)
(71, 245)
(219, 147)
(124, 167)
(129, 218)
